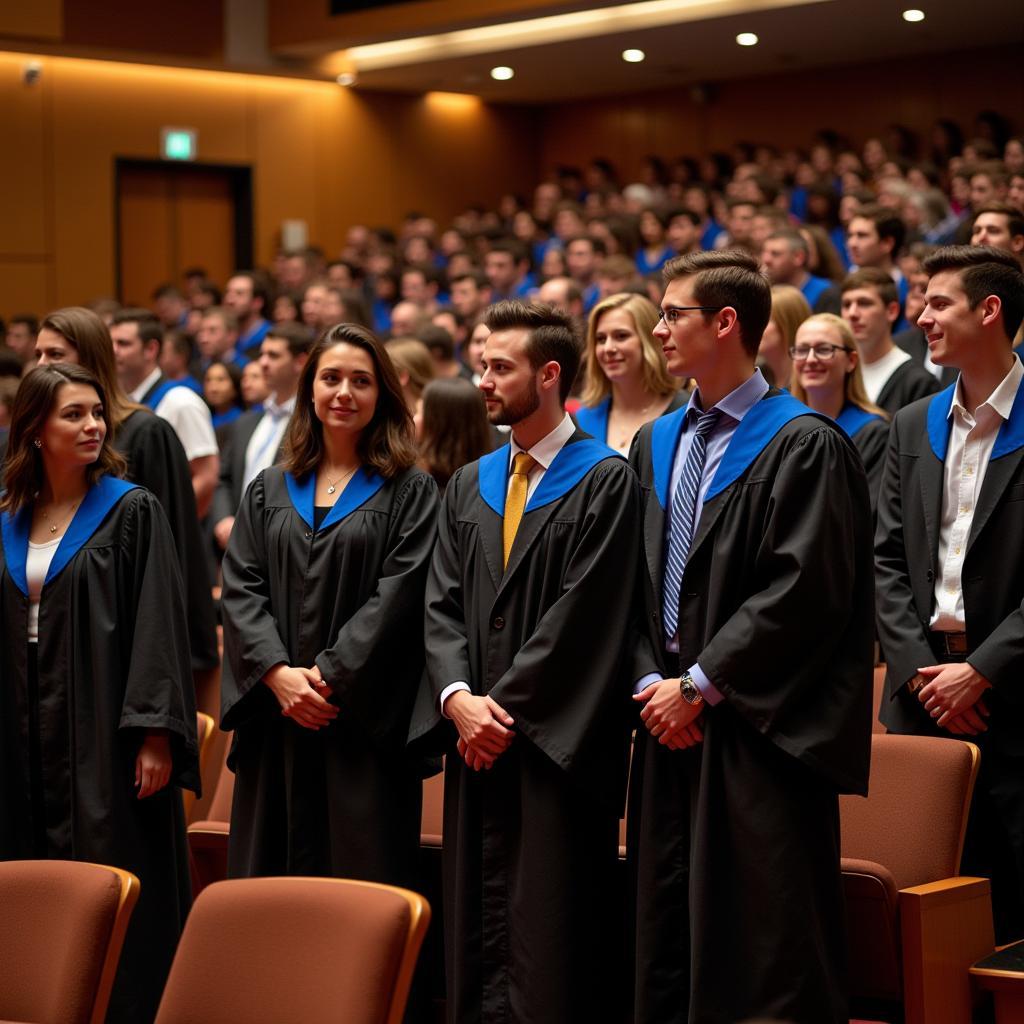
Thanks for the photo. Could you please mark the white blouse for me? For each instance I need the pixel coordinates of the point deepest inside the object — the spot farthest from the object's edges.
(37, 565)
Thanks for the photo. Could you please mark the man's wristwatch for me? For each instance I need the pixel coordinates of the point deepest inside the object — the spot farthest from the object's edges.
(688, 690)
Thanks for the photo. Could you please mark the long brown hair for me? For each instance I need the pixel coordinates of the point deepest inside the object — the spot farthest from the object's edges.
(35, 400)
(455, 429)
(386, 443)
(89, 336)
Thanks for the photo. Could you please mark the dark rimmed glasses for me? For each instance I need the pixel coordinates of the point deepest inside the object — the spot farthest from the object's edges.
(823, 353)
(671, 315)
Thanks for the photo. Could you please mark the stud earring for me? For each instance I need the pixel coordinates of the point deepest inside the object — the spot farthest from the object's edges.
(38, 443)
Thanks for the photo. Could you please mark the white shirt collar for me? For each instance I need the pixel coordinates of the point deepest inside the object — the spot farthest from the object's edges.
(1002, 398)
(286, 408)
(545, 450)
(136, 395)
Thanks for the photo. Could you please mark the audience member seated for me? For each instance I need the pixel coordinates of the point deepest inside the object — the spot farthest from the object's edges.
(452, 428)
(784, 257)
(789, 311)
(21, 336)
(222, 388)
(415, 367)
(253, 387)
(246, 295)
(218, 338)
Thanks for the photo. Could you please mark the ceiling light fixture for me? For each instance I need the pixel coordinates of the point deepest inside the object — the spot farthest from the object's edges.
(747, 39)
(502, 73)
(913, 15)
(633, 56)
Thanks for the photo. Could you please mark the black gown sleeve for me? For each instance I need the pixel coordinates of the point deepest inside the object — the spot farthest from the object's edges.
(252, 641)
(376, 660)
(905, 647)
(871, 441)
(158, 689)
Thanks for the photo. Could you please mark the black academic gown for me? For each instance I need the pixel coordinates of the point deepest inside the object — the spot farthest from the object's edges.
(735, 843)
(906, 558)
(347, 596)
(113, 661)
(157, 461)
(870, 434)
(908, 382)
(530, 846)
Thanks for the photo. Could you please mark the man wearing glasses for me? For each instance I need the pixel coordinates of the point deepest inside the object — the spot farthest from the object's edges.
(754, 674)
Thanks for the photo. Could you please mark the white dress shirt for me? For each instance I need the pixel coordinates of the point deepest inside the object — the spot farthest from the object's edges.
(187, 413)
(543, 453)
(266, 438)
(971, 441)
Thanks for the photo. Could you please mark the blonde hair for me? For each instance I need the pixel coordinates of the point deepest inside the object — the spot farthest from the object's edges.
(789, 310)
(412, 357)
(853, 383)
(656, 378)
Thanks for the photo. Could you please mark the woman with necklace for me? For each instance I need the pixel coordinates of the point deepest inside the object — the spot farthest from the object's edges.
(323, 594)
(826, 376)
(97, 715)
(626, 384)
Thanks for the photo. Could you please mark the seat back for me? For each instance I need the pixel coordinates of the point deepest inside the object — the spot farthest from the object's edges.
(62, 924)
(205, 726)
(316, 950)
(432, 819)
(914, 817)
(220, 805)
(878, 687)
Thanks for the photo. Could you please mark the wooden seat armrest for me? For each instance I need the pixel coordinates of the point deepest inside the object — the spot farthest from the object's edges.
(945, 927)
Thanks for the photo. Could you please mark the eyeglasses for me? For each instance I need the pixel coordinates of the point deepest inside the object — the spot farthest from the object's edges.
(671, 315)
(824, 353)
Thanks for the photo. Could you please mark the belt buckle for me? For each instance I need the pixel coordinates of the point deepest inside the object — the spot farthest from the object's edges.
(956, 643)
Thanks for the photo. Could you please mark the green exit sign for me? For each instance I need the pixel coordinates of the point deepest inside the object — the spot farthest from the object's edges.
(178, 143)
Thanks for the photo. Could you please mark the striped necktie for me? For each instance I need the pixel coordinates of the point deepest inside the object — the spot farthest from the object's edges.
(684, 504)
(515, 502)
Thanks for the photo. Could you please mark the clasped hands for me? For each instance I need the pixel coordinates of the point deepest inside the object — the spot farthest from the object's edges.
(952, 695)
(668, 718)
(484, 727)
(302, 694)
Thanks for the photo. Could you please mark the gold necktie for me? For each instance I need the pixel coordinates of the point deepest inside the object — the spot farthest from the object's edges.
(515, 502)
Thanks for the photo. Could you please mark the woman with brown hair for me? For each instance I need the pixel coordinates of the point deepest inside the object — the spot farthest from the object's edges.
(155, 458)
(323, 595)
(452, 428)
(97, 715)
(626, 383)
(827, 377)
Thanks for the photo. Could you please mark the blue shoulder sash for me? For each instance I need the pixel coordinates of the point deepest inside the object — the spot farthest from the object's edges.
(361, 488)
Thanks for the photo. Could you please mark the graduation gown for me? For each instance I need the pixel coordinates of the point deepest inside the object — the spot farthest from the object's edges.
(112, 661)
(870, 434)
(908, 382)
(347, 596)
(906, 560)
(593, 419)
(734, 843)
(530, 846)
(157, 462)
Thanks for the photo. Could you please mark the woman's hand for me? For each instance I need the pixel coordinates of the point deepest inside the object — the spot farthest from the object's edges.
(153, 763)
(302, 696)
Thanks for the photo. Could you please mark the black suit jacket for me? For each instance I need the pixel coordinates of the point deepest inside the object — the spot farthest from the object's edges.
(906, 562)
(228, 495)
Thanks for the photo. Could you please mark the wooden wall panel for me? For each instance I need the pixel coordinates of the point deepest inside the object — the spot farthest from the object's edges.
(39, 19)
(24, 287)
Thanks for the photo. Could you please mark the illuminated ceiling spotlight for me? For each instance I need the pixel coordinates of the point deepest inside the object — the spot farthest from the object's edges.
(633, 56)
(913, 15)
(502, 73)
(346, 78)
(747, 39)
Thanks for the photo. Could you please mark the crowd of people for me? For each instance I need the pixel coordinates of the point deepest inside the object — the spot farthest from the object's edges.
(467, 492)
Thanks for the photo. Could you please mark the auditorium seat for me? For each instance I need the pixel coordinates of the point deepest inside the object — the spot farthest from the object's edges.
(205, 727)
(208, 839)
(915, 926)
(879, 696)
(62, 925)
(316, 950)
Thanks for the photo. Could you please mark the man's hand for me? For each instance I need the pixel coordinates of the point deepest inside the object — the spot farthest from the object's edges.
(669, 718)
(950, 691)
(298, 691)
(484, 728)
(222, 531)
(153, 763)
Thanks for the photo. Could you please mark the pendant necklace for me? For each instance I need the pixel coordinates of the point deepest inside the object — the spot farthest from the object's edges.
(55, 526)
(333, 484)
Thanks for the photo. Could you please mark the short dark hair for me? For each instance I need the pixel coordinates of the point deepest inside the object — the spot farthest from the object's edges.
(512, 246)
(478, 277)
(150, 328)
(797, 242)
(182, 343)
(887, 223)
(1014, 217)
(298, 338)
(552, 339)
(984, 271)
(167, 291)
(682, 211)
(438, 339)
(872, 277)
(260, 290)
(30, 321)
(728, 277)
(597, 244)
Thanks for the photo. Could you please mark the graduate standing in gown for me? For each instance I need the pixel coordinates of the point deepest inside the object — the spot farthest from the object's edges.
(156, 461)
(827, 379)
(625, 381)
(97, 718)
(754, 674)
(322, 604)
(527, 625)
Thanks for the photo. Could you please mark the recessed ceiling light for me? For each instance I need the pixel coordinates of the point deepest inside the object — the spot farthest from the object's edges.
(633, 56)
(747, 39)
(346, 78)
(913, 15)
(502, 73)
